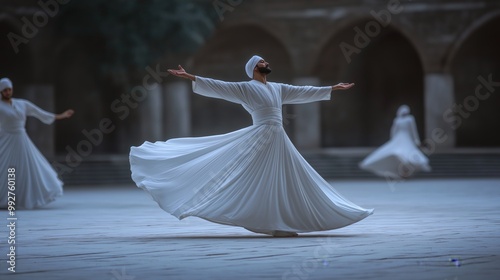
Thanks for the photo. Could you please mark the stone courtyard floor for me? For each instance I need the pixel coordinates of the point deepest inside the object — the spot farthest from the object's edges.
(421, 229)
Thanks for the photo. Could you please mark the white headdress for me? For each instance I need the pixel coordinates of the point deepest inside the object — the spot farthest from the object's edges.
(251, 65)
(5, 83)
(403, 110)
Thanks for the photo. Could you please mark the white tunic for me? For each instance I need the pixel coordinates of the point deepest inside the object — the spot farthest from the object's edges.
(400, 157)
(253, 177)
(36, 181)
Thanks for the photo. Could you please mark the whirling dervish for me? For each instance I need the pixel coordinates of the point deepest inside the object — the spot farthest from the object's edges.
(253, 177)
(400, 157)
(37, 183)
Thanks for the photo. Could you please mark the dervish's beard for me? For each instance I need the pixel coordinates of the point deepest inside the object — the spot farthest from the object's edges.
(264, 70)
(7, 98)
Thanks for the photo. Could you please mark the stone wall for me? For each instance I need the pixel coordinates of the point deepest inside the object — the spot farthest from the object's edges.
(439, 57)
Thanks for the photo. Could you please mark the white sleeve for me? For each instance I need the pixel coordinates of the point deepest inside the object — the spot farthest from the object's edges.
(229, 91)
(393, 128)
(304, 94)
(414, 131)
(34, 111)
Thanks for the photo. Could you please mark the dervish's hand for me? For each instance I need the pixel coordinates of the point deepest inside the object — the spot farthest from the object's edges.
(181, 73)
(68, 113)
(65, 115)
(342, 86)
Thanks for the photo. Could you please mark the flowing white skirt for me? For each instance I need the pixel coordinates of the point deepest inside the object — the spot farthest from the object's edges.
(398, 158)
(36, 182)
(253, 178)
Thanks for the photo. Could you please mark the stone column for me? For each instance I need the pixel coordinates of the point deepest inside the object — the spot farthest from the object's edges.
(177, 104)
(439, 98)
(42, 135)
(151, 115)
(307, 119)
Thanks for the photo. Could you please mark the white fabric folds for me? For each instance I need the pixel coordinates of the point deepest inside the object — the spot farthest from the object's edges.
(36, 181)
(399, 157)
(253, 177)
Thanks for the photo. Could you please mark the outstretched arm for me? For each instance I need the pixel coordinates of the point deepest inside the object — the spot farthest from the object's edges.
(229, 91)
(46, 117)
(182, 73)
(306, 94)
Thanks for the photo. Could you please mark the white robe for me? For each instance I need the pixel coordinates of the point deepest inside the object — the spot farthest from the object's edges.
(400, 157)
(253, 177)
(36, 181)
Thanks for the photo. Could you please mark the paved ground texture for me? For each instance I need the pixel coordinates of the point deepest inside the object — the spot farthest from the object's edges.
(421, 229)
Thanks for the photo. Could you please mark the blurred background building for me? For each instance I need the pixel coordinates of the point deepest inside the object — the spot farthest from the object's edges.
(108, 60)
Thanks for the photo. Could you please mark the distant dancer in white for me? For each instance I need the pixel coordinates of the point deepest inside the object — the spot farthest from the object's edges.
(400, 157)
(253, 177)
(36, 181)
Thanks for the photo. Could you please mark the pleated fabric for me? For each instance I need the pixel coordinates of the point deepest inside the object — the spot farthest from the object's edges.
(253, 177)
(36, 182)
(399, 157)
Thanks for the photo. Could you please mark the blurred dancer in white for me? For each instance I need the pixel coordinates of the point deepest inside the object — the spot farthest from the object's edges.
(400, 157)
(253, 177)
(36, 181)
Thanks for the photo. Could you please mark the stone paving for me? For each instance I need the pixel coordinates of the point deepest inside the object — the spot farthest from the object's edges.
(421, 229)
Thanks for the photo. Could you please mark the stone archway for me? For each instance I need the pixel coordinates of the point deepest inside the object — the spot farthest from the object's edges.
(224, 57)
(387, 71)
(476, 61)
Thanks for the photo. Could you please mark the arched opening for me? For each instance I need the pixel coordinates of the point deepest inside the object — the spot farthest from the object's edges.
(476, 61)
(388, 73)
(224, 57)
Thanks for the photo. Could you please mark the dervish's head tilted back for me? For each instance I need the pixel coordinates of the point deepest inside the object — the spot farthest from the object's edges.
(253, 62)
